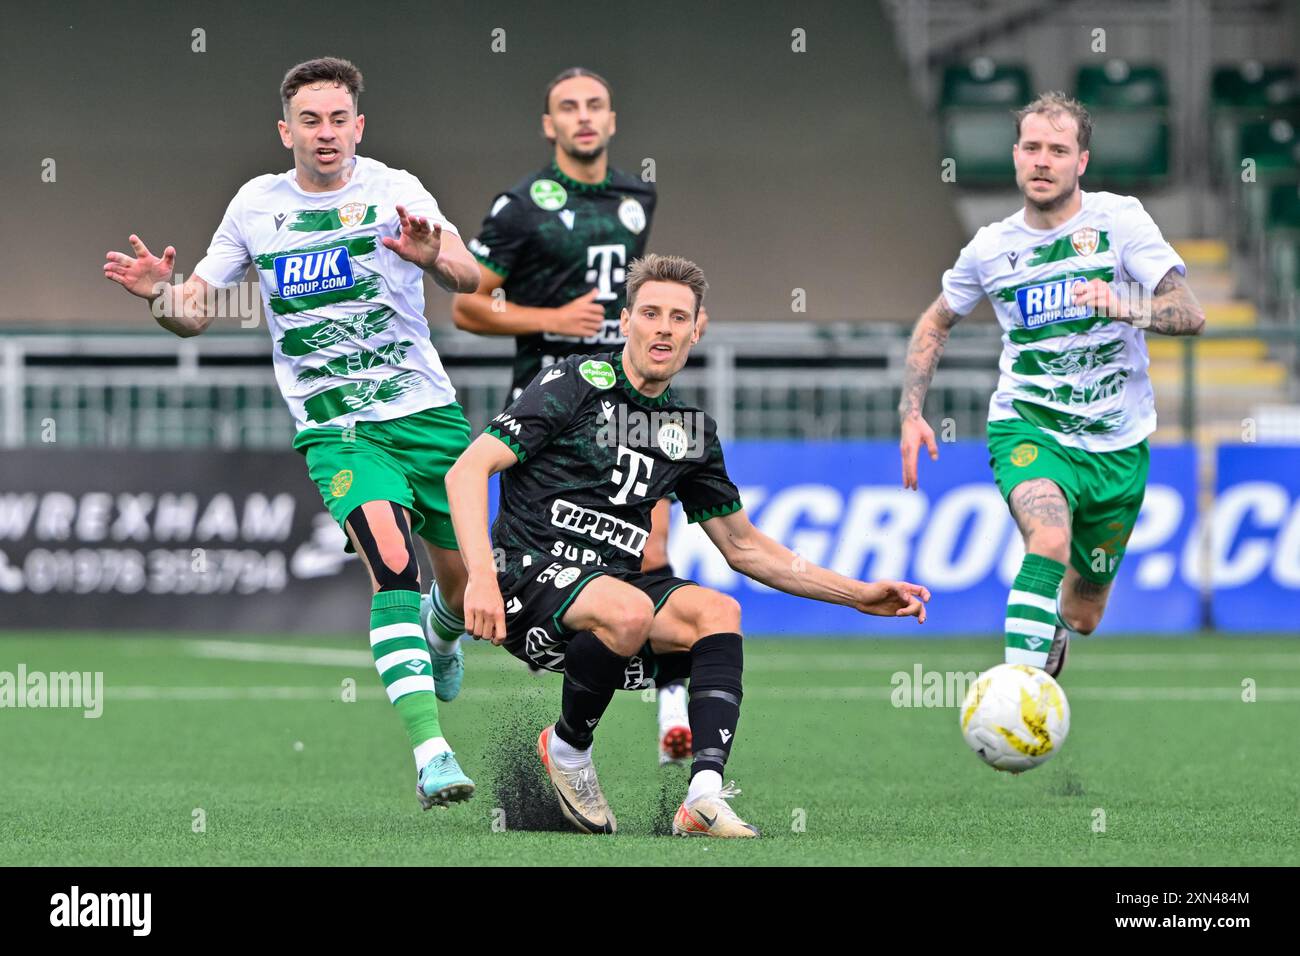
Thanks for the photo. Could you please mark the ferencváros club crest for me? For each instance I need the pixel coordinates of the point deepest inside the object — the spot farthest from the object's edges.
(631, 215)
(1084, 241)
(352, 213)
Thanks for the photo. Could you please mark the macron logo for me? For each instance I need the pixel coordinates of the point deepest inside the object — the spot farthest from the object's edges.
(552, 375)
(103, 909)
(725, 735)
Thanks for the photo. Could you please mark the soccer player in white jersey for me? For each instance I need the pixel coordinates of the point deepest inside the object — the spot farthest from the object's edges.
(1076, 279)
(341, 244)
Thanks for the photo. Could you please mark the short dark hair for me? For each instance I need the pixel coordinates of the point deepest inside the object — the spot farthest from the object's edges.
(653, 268)
(569, 74)
(325, 69)
(1053, 104)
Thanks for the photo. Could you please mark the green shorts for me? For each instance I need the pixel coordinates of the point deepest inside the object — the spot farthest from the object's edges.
(403, 460)
(1104, 489)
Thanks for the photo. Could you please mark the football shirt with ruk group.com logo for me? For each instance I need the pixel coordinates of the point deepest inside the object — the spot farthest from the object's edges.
(346, 314)
(1079, 376)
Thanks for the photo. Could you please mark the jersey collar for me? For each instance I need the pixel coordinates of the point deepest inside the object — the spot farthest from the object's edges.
(631, 390)
(568, 182)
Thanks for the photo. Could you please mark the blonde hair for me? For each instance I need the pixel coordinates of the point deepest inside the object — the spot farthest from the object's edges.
(1053, 104)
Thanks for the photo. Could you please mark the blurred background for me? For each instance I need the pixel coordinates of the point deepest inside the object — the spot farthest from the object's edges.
(823, 162)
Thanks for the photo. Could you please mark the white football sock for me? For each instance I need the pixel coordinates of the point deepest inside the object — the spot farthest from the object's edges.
(703, 783)
(428, 750)
(567, 757)
(444, 648)
(672, 707)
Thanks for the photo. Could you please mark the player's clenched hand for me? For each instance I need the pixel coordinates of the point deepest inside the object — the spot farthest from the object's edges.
(485, 613)
(582, 317)
(894, 599)
(419, 242)
(915, 434)
(1101, 297)
(143, 274)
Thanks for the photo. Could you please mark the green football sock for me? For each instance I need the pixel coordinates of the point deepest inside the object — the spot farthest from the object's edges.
(1031, 610)
(448, 626)
(402, 659)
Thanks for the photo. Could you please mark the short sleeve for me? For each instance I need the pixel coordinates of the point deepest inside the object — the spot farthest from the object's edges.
(503, 236)
(708, 492)
(1143, 253)
(962, 289)
(418, 201)
(227, 258)
(542, 410)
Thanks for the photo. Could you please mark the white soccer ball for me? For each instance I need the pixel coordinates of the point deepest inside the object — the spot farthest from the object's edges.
(1015, 717)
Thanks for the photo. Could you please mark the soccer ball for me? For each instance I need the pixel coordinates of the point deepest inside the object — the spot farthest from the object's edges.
(1015, 717)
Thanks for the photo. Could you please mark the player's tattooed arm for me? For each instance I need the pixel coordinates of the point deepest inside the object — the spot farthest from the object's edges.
(1173, 310)
(923, 353)
(764, 559)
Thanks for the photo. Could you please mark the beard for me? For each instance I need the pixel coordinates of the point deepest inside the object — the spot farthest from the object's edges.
(1056, 202)
(584, 155)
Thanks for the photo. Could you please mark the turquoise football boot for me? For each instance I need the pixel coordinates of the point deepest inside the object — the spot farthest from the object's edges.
(442, 782)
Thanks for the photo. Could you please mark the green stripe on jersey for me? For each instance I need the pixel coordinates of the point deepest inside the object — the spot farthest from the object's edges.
(1055, 330)
(391, 354)
(323, 220)
(361, 246)
(319, 335)
(1104, 388)
(1070, 362)
(1063, 249)
(366, 288)
(355, 396)
(1066, 423)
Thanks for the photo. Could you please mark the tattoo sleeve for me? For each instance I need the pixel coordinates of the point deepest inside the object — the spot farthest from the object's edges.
(1174, 309)
(1038, 503)
(923, 353)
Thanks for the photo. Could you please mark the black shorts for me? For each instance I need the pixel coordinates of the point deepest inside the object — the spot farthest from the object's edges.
(537, 598)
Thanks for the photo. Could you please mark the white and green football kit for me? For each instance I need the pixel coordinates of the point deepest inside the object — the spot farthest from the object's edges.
(375, 411)
(1074, 401)
(346, 314)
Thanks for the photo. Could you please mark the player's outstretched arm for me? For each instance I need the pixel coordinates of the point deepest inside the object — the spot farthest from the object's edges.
(467, 497)
(439, 253)
(180, 309)
(486, 313)
(766, 560)
(923, 353)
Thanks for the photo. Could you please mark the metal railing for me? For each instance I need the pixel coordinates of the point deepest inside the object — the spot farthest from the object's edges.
(758, 380)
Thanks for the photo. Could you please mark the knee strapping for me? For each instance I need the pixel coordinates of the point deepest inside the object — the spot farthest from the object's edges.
(408, 578)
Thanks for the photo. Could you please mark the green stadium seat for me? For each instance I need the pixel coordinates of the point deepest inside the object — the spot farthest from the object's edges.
(1118, 85)
(980, 141)
(1252, 84)
(1282, 240)
(1128, 148)
(982, 83)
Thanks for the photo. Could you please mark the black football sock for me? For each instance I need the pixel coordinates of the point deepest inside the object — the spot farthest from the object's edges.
(592, 672)
(714, 709)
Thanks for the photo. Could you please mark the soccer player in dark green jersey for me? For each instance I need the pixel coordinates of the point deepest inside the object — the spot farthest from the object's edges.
(553, 253)
(584, 453)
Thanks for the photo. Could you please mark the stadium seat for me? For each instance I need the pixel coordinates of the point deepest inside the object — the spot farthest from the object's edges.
(1282, 240)
(983, 83)
(1274, 147)
(1251, 84)
(1120, 86)
(975, 108)
(1247, 92)
(1130, 139)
